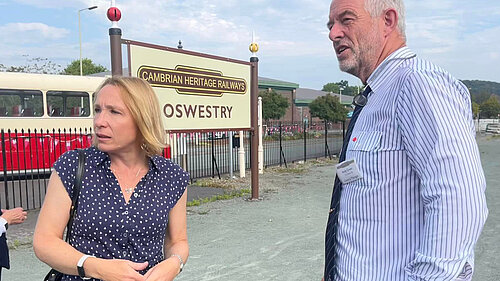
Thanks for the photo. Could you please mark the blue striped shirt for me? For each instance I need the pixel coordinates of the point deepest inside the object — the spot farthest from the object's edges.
(419, 209)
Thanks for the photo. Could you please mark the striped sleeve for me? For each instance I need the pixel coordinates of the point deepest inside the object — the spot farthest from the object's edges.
(434, 116)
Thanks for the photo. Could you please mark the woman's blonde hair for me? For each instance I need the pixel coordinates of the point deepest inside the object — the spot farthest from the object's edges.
(142, 102)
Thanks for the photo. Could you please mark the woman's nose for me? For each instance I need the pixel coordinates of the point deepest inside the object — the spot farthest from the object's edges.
(100, 119)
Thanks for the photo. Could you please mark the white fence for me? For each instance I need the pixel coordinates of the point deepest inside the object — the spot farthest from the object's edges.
(481, 124)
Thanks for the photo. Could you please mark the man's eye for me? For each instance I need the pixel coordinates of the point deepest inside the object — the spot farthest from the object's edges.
(97, 110)
(347, 20)
(115, 112)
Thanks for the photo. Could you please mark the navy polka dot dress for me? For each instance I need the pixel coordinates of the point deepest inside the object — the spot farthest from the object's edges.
(105, 226)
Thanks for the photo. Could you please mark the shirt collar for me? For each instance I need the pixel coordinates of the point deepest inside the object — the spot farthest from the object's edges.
(98, 158)
(383, 73)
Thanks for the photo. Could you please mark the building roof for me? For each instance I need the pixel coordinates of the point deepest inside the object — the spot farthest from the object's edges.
(265, 82)
(304, 96)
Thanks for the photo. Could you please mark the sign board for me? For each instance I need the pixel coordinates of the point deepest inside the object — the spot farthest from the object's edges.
(196, 91)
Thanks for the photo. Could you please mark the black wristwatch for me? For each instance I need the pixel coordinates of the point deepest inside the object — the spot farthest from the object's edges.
(79, 267)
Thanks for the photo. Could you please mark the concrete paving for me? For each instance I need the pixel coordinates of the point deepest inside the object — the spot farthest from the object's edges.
(277, 238)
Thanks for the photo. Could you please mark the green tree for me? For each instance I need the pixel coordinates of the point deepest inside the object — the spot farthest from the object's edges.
(477, 87)
(328, 108)
(490, 108)
(274, 105)
(475, 109)
(331, 88)
(481, 97)
(336, 86)
(35, 65)
(88, 67)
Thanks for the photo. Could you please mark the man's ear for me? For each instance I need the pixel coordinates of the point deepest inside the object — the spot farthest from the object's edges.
(390, 21)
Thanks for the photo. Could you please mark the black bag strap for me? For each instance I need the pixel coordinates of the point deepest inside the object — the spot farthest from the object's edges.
(76, 191)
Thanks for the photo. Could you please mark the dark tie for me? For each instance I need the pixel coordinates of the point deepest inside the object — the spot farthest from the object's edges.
(333, 218)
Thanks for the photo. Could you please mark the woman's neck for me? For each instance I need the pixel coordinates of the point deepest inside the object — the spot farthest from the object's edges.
(131, 160)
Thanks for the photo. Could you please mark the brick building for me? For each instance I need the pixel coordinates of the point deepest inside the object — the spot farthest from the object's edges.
(298, 98)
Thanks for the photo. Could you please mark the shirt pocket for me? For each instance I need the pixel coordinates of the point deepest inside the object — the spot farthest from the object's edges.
(365, 141)
(364, 146)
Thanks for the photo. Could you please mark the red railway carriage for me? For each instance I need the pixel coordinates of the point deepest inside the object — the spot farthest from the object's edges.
(41, 117)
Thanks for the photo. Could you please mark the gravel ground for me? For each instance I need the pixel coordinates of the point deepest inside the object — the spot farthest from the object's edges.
(279, 237)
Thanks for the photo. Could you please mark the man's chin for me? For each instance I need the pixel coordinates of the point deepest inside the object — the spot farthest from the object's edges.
(347, 66)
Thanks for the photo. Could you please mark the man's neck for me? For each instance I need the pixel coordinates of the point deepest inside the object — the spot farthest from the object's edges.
(392, 44)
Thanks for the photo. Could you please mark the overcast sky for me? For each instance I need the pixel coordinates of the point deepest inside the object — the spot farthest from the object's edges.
(461, 36)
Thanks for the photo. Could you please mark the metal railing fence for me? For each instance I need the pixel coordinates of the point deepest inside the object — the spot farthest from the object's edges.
(27, 156)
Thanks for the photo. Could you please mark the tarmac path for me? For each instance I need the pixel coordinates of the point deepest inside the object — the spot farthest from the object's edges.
(280, 237)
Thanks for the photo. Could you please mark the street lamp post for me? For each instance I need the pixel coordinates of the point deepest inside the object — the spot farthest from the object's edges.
(80, 35)
(340, 90)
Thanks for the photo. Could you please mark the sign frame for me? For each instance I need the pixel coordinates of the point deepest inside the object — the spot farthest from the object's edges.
(248, 90)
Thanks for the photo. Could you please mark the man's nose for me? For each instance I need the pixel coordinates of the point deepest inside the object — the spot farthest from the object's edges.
(336, 32)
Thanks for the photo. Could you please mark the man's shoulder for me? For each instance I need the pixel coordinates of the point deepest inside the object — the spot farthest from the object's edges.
(420, 72)
(422, 67)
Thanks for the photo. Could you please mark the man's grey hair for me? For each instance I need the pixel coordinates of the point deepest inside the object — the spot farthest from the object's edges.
(377, 7)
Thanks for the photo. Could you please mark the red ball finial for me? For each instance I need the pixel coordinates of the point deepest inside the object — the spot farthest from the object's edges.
(114, 14)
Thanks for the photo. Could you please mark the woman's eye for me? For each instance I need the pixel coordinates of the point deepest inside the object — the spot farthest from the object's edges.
(115, 112)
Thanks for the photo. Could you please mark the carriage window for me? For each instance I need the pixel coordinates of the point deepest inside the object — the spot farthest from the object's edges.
(20, 103)
(68, 104)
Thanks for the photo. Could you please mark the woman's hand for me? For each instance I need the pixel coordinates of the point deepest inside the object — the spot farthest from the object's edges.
(115, 269)
(14, 216)
(164, 271)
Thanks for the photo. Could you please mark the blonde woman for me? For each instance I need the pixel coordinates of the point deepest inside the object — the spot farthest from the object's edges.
(130, 223)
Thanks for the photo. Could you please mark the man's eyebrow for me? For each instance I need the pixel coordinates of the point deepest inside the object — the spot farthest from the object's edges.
(347, 13)
(330, 22)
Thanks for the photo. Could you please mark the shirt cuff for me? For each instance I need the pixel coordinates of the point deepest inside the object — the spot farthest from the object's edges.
(3, 222)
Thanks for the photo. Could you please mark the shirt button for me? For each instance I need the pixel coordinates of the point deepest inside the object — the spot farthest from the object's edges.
(331, 211)
(136, 195)
(125, 213)
(125, 234)
(125, 253)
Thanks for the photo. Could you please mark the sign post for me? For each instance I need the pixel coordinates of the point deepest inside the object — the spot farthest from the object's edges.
(254, 145)
(115, 38)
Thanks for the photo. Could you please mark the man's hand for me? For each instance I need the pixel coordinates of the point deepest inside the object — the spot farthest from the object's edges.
(14, 216)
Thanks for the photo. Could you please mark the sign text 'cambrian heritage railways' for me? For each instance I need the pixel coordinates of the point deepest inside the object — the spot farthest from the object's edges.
(193, 81)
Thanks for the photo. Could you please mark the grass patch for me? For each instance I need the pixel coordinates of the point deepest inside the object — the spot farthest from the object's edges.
(218, 183)
(226, 196)
(291, 169)
(300, 167)
(322, 161)
(18, 243)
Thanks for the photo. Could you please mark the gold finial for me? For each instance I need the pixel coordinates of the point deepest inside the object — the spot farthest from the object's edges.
(254, 47)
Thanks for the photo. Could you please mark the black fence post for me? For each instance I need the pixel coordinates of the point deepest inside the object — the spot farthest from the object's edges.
(213, 153)
(326, 138)
(281, 147)
(343, 130)
(4, 161)
(305, 142)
